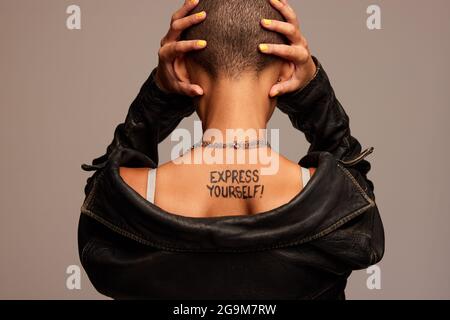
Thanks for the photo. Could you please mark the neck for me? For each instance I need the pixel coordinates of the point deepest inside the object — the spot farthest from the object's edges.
(235, 105)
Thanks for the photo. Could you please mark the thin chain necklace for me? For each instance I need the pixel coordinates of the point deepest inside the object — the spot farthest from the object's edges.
(232, 145)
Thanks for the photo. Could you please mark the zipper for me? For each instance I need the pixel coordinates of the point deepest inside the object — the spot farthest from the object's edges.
(360, 157)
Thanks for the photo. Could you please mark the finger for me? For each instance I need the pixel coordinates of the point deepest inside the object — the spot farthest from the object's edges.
(283, 87)
(179, 25)
(286, 10)
(191, 90)
(175, 49)
(296, 54)
(291, 31)
(185, 9)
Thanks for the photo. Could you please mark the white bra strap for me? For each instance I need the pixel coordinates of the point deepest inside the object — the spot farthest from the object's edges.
(151, 185)
(305, 176)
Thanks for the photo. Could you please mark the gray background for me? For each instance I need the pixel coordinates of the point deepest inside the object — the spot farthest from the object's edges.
(63, 92)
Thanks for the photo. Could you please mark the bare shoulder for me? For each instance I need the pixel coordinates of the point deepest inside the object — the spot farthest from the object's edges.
(136, 178)
(174, 177)
(292, 168)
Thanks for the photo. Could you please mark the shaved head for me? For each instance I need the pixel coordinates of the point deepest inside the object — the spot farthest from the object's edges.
(233, 31)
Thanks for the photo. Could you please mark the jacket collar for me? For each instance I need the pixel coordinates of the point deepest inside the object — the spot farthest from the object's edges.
(331, 198)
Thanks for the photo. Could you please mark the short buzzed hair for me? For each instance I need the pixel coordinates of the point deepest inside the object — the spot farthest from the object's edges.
(233, 31)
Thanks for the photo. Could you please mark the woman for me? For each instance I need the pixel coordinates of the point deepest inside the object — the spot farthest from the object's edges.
(227, 230)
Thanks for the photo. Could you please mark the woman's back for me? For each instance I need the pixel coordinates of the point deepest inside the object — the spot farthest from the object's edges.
(303, 250)
(209, 190)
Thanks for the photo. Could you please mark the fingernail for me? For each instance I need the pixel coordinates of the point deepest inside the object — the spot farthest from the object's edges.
(276, 93)
(277, 2)
(264, 47)
(267, 22)
(201, 43)
(201, 15)
(193, 2)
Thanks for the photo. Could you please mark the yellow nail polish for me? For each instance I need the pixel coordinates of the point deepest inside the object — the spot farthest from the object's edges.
(267, 22)
(194, 2)
(264, 47)
(201, 43)
(201, 15)
(277, 2)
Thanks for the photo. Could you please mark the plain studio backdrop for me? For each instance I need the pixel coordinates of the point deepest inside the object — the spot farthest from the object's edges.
(64, 91)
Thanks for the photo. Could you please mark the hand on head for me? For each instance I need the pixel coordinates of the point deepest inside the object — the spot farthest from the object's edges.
(297, 52)
(171, 48)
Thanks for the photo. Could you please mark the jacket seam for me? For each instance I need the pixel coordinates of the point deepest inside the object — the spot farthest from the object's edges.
(87, 202)
(356, 183)
(120, 231)
(141, 240)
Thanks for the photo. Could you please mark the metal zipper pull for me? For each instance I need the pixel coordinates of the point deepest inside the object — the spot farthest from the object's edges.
(360, 157)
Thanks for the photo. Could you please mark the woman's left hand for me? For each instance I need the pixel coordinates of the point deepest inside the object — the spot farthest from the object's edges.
(297, 52)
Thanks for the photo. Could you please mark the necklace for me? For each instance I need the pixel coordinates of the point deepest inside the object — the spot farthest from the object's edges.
(232, 145)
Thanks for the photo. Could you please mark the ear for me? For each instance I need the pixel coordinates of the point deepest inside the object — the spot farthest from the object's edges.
(181, 70)
(286, 71)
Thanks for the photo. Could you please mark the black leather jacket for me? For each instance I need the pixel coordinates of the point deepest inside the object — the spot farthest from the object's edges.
(305, 249)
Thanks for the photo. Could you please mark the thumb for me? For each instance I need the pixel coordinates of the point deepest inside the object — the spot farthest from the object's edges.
(282, 88)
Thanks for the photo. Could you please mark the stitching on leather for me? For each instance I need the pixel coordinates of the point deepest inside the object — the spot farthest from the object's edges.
(334, 226)
(87, 202)
(358, 186)
(125, 233)
(265, 248)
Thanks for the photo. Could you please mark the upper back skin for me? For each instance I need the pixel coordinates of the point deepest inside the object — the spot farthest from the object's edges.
(211, 190)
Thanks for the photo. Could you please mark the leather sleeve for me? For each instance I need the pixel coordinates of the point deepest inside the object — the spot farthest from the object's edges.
(316, 112)
(152, 116)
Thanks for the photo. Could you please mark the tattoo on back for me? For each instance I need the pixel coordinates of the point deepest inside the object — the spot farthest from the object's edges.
(237, 184)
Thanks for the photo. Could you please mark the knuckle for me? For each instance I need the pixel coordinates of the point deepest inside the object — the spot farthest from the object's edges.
(291, 51)
(177, 47)
(161, 53)
(174, 25)
(282, 49)
(303, 53)
(292, 30)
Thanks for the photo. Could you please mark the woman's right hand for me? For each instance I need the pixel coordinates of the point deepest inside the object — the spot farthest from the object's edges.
(171, 48)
